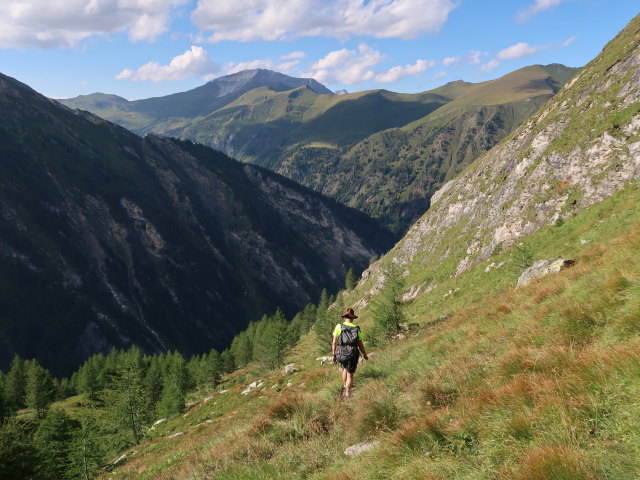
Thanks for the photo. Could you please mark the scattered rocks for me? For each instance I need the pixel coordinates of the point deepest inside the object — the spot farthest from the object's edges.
(358, 448)
(542, 268)
(451, 292)
(119, 460)
(323, 360)
(493, 265)
(177, 434)
(158, 422)
(208, 399)
(223, 391)
(290, 368)
(252, 386)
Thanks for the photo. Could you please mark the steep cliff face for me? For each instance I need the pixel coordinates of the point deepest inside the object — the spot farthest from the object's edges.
(108, 239)
(581, 148)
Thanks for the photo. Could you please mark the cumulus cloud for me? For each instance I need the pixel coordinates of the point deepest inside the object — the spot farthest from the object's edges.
(491, 65)
(287, 67)
(245, 20)
(396, 73)
(447, 62)
(540, 6)
(439, 75)
(293, 56)
(347, 67)
(475, 57)
(519, 50)
(65, 23)
(192, 63)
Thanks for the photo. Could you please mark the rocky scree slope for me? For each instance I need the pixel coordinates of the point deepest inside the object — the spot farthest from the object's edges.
(583, 146)
(108, 239)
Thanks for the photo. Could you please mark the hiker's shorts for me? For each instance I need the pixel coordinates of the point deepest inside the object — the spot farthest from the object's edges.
(351, 364)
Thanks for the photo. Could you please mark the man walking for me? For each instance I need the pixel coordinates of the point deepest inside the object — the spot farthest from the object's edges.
(346, 347)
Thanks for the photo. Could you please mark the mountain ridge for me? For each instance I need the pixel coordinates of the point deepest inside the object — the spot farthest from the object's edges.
(298, 133)
(152, 241)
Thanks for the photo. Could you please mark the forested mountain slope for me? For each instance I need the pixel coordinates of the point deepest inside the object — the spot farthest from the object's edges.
(342, 145)
(108, 239)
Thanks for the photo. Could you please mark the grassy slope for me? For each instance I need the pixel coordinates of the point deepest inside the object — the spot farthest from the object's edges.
(536, 383)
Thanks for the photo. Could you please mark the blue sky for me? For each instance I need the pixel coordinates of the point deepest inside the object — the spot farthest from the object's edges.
(145, 48)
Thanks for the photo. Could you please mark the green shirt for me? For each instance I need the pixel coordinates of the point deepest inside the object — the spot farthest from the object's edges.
(338, 329)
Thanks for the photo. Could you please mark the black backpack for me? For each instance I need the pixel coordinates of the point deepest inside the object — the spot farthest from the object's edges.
(347, 343)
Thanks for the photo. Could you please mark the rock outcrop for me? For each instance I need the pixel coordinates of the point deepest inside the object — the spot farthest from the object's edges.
(580, 148)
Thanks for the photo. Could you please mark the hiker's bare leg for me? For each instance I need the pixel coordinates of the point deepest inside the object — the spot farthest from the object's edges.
(344, 377)
(347, 383)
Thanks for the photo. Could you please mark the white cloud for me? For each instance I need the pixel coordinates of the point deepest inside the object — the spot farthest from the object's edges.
(245, 20)
(65, 23)
(569, 41)
(287, 67)
(396, 73)
(447, 62)
(192, 63)
(474, 57)
(538, 7)
(293, 56)
(519, 50)
(347, 67)
(491, 65)
(439, 75)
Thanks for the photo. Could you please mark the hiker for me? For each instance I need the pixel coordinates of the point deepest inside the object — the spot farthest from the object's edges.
(346, 347)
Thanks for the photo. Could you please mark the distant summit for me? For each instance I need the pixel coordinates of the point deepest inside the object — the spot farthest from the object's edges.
(144, 116)
(230, 84)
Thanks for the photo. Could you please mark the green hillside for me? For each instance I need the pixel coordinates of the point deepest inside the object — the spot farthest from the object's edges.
(108, 239)
(488, 382)
(382, 152)
(483, 379)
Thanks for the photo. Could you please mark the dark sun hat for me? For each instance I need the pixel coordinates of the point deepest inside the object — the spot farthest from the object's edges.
(348, 313)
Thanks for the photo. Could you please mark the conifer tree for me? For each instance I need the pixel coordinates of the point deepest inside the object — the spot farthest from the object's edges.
(65, 389)
(153, 381)
(88, 378)
(131, 399)
(323, 325)
(350, 280)
(387, 306)
(4, 401)
(87, 453)
(211, 369)
(39, 387)
(53, 441)
(309, 317)
(175, 385)
(18, 455)
(274, 340)
(228, 362)
(242, 345)
(16, 383)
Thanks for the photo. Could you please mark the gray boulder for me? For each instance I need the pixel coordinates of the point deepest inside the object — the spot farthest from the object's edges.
(542, 268)
(358, 448)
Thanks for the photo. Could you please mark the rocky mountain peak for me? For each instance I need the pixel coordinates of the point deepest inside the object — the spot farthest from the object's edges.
(259, 77)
